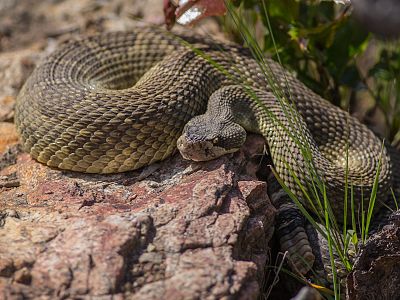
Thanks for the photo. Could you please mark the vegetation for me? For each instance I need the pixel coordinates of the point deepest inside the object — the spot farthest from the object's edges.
(330, 53)
(326, 48)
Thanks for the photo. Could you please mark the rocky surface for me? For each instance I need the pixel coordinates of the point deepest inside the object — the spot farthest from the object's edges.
(376, 273)
(174, 230)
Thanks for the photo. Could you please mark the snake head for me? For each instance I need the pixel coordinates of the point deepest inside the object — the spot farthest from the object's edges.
(205, 138)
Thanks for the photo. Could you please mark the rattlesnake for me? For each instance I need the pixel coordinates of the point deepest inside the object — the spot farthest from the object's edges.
(119, 101)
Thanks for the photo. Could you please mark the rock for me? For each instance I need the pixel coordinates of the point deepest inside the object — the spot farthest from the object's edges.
(15, 68)
(24, 23)
(7, 108)
(376, 273)
(8, 135)
(181, 230)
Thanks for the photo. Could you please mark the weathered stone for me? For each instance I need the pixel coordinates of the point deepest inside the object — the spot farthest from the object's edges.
(376, 273)
(8, 135)
(188, 230)
(7, 108)
(15, 68)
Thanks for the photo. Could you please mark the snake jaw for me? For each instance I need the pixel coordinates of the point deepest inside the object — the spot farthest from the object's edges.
(200, 150)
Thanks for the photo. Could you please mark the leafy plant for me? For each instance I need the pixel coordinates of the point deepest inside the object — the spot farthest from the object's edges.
(320, 41)
(334, 72)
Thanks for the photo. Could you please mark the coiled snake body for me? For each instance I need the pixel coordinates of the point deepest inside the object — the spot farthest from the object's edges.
(119, 101)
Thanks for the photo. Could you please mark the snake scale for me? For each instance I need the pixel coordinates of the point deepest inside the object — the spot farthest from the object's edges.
(119, 101)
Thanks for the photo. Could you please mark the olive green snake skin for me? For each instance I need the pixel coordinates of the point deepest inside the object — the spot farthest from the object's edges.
(116, 102)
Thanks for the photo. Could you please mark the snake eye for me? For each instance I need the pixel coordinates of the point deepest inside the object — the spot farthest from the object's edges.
(215, 140)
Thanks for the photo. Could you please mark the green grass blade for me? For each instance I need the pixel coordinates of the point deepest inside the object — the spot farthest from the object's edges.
(372, 199)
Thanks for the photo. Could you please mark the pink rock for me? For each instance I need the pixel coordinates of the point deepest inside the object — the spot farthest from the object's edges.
(187, 230)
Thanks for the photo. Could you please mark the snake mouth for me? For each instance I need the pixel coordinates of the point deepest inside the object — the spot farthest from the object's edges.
(200, 150)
